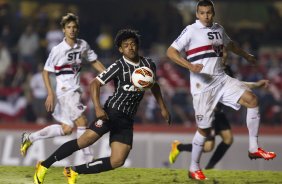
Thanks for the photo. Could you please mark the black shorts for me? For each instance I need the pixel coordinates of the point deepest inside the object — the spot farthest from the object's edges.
(119, 125)
(219, 123)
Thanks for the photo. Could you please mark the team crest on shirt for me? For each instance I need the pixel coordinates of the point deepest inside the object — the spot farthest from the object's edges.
(75, 67)
(199, 117)
(99, 123)
(217, 48)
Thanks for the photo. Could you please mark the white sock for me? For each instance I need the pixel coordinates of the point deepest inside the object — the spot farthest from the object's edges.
(197, 149)
(47, 132)
(253, 119)
(86, 151)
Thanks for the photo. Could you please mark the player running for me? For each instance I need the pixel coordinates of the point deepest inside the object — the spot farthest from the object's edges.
(65, 61)
(203, 44)
(116, 117)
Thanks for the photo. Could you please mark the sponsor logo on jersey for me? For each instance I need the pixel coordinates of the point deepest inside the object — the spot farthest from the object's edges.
(128, 87)
(214, 35)
(73, 56)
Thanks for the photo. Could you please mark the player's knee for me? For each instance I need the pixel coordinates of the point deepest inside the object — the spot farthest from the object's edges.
(252, 100)
(228, 140)
(117, 162)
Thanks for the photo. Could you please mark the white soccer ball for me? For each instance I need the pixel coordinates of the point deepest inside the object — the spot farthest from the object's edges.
(143, 78)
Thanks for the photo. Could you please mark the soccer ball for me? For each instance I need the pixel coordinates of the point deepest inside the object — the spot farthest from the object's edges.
(143, 78)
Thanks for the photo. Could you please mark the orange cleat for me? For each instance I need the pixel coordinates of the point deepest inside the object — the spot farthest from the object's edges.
(260, 153)
(197, 175)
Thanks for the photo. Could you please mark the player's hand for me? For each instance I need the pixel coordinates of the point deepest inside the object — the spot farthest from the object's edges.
(262, 83)
(251, 59)
(196, 68)
(49, 103)
(101, 114)
(166, 115)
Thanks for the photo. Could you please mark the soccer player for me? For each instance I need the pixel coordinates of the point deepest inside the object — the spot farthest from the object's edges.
(203, 44)
(221, 127)
(65, 61)
(116, 117)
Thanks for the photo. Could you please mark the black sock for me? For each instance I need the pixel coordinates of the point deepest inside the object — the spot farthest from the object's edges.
(62, 152)
(217, 155)
(184, 147)
(96, 166)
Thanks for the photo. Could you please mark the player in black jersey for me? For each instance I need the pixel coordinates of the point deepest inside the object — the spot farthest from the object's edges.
(116, 117)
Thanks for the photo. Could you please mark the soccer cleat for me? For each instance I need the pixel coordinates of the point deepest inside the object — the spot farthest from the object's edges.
(26, 143)
(260, 153)
(197, 175)
(174, 152)
(39, 175)
(71, 175)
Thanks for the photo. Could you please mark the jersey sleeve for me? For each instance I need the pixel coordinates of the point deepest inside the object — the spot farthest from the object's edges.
(50, 62)
(226, 39)
(110, 73)
(89, 54)
(183, 40)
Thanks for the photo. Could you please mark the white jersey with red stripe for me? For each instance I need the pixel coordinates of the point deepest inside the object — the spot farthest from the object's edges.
(203, 45)
(65, 61)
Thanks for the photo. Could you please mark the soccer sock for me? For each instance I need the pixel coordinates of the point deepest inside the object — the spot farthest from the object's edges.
(97, 166)
(253, 119)
(197, 149)
(218, 154)
(47, 132)
(62, 152)
(86, 151)
(184, 147)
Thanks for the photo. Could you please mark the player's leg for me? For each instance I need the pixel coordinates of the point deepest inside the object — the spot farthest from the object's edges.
(204, 115)
(65, 150)
(222, 147)
(47, 132)
(250, 101)
(81, 124)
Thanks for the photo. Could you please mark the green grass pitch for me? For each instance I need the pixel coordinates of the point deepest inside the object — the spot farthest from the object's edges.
(24, 175)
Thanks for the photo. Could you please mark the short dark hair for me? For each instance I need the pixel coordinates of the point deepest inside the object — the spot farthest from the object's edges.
(206, 3)
(125, 34)
(69, 17)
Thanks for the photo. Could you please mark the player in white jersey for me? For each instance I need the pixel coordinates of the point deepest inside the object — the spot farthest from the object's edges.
(203, 43)
(65, 61)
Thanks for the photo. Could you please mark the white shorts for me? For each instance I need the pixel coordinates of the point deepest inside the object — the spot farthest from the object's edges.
(69, 108)
(228, 93)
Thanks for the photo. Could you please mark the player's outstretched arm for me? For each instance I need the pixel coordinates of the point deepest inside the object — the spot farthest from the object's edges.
(237, 50)
(156, 90)
(258, 84)
(176, 57)
(98, 66)
(95, 86)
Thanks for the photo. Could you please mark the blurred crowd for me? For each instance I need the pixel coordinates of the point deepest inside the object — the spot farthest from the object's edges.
(24, 47)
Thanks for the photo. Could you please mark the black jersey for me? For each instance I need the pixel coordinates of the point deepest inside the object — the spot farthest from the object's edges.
(126, 97)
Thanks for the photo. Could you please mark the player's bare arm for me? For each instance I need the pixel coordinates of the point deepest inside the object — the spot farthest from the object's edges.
(97, 65)
(176, 57)
(258, 84)
(158, 96)
(49, 103)
(232, 46)
(95, 86)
